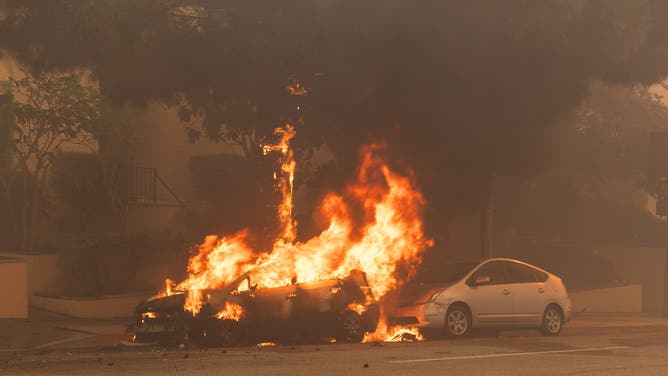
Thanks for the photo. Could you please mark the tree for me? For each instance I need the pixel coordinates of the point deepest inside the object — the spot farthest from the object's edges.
(47, 112)
(6, 224)
(594, 190)
(469, 86)
(608, 134)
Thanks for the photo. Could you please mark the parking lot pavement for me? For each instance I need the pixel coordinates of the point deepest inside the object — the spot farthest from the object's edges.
(590, 344)
(21, 335)
(45, 330)
(626, 354)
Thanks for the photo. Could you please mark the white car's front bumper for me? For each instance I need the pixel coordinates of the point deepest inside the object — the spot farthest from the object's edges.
(427, 315)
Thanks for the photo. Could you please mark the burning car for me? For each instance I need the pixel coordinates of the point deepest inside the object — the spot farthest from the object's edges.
(340, 308)
(328, 285)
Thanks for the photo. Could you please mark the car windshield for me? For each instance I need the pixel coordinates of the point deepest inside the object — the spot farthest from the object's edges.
(447, 273)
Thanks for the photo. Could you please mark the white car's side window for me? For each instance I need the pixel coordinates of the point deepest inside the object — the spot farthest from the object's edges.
(492, 270)
(518, 273)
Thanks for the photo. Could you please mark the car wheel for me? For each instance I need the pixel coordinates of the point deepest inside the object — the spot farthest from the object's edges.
(553, 321)
(226, 332)
(457, 321)
(350, 327)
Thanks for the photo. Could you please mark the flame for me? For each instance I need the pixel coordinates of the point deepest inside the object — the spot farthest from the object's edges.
(149, 315)
(386, 245)
(169, 286)
(285, 183)
(231, 312)
(356, 307)
(169, 290)
(385, 333)
(218, 262)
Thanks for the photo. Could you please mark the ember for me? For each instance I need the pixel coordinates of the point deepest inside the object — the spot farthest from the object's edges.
(388, 249)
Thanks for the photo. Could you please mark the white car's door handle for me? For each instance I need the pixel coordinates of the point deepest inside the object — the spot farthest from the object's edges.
(506, 292)
(540, 290)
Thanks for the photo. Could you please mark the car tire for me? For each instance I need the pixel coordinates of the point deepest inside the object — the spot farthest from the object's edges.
(351, 329)
(226, 333)
(457, 321)
(553, 321)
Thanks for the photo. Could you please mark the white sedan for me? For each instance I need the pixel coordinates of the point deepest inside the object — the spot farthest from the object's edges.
(495, 293)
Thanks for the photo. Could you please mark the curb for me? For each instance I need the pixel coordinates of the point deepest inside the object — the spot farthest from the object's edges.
(618, 330)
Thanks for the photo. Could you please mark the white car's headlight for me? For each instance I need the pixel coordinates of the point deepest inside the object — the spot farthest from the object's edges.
(435, 296)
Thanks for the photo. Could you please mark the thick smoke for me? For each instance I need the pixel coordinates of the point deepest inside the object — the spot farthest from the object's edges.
(459, 90)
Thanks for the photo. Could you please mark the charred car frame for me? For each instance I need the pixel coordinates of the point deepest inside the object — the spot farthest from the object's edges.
(340, 308)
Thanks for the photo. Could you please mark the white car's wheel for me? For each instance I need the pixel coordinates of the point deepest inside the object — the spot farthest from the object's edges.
(553, 321)
(457, 321)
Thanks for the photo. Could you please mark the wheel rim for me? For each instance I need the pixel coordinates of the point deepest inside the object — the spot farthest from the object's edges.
(351, 326)
(458, 323)
(225, 333)
(552, 320)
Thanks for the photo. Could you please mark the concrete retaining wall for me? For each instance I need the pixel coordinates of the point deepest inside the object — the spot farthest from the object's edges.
(610, 299)
(14, 294)
(639, 265)
(34, 280)
(103, 307)
(42, 271)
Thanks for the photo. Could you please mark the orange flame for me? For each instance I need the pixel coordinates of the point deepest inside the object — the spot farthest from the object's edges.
(386, 246)
(218, 262)
(169, 285)
(356, 307)
(386, 333)
(231, 312)
(285, 182)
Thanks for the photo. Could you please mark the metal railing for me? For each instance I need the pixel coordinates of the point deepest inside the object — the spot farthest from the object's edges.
(143, 186)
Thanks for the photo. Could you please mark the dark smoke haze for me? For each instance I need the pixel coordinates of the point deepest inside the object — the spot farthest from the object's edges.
(458, 89)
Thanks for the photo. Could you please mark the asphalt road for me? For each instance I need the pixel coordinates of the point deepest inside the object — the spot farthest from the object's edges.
(515, 354)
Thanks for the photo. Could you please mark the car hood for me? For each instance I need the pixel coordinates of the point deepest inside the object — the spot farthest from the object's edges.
(169, 302)
(421, 293)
